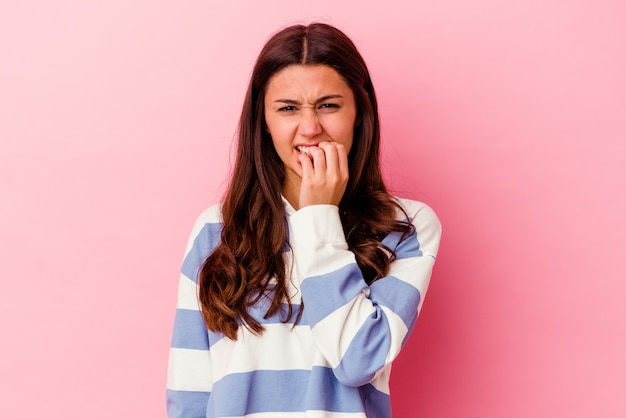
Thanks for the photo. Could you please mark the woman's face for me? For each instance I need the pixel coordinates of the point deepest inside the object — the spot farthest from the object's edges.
(304, 106)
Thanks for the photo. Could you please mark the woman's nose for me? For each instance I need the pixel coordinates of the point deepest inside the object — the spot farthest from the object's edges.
(309, 123)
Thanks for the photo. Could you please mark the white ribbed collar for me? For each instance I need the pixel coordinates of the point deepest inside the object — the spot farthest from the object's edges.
(289, 210)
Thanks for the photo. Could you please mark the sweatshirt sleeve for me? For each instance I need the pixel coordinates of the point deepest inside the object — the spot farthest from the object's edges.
(189, 380)
(360, 329)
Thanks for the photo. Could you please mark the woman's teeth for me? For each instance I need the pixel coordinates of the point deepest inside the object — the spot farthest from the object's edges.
(304, 150)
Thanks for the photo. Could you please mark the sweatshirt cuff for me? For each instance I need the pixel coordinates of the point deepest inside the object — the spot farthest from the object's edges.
(316, 226)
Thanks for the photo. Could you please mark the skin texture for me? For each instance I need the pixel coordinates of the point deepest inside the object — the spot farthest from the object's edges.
(311, 106)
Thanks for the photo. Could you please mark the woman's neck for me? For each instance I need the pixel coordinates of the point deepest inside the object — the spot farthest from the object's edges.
(291, 191)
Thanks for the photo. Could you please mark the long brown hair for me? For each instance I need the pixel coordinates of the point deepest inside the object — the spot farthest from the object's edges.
(237, 273)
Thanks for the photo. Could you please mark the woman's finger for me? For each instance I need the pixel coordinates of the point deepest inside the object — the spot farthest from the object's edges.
(342, 157)
(319, 162)
(307, 166)
(336, 160)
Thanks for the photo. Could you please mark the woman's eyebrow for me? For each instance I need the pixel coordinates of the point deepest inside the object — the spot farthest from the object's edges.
(321, 99)
(328, 97)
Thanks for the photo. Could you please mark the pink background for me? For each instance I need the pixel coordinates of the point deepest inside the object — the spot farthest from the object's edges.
(508, 118)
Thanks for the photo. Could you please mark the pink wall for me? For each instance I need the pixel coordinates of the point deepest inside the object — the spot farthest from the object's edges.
(115, 126)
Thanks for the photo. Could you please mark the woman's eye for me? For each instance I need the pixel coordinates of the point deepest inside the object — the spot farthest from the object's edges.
(287, 109)
(328, 106)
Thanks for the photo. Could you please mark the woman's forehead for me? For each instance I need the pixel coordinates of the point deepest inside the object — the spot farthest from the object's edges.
(306, 82)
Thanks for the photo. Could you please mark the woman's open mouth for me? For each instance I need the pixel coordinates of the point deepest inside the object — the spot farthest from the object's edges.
(303, 149)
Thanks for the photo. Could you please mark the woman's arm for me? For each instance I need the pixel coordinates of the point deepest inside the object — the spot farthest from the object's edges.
(360, 329)
(189, 380)
(189, 371)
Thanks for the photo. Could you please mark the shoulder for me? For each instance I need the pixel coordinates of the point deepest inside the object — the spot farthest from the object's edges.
(212, 214)
(417, 211)
(207, 228)
(210, 218)
(424, 220)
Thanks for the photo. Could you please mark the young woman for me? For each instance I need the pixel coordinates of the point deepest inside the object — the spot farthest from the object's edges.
(299, 290)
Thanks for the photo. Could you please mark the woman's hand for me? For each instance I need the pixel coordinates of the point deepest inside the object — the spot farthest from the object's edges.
(324, 174)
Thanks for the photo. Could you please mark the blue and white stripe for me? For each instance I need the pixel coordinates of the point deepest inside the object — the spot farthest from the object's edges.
(336, 362)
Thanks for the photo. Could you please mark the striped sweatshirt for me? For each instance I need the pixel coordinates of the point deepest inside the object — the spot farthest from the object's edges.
(336, 361)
